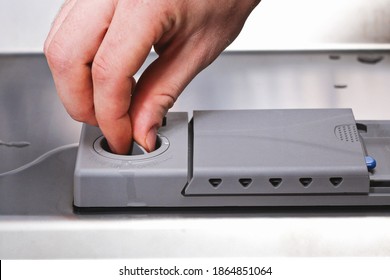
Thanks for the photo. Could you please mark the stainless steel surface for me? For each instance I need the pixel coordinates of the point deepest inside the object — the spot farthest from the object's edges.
(294, 80)
(30, 111)
(36, 215)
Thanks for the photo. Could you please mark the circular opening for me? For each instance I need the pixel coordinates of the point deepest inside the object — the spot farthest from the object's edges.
(136, 151)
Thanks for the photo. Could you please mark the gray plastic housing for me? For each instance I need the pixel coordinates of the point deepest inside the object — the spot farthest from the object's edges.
(104, 179)
(295, 157)
(277, 152)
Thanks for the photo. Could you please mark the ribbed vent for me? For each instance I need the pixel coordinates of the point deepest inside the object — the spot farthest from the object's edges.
(347, 133)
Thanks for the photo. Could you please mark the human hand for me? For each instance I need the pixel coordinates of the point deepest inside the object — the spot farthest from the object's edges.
(95, 47)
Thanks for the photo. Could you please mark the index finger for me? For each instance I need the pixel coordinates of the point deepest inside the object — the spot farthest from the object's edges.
(122, 52)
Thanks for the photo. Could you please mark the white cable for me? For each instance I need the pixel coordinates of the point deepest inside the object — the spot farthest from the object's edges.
(39, 159)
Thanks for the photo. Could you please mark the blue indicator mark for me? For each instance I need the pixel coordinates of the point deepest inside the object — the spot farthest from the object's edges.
(370, 162)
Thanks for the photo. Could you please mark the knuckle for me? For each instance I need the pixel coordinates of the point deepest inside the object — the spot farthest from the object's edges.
(101, 69)
(83, 115)
(59, 61)
(167, 100)
(171, 91)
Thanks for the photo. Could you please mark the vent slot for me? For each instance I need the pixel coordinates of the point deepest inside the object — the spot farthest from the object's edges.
(336, 181)
(361, 127)
(306, 181)
(215, 182)
(245, 182)
(275, 182)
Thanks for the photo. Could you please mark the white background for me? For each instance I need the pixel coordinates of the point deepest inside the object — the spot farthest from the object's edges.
(275, 24)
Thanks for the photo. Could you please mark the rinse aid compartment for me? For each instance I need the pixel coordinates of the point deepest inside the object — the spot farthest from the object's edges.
(240, 158)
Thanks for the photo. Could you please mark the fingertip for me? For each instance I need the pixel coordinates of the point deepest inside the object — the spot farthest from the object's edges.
(119, 150)
(119, 144)
(150, 139)
(146, 118)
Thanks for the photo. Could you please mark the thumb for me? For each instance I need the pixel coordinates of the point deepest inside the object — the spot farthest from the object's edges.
(156, 92)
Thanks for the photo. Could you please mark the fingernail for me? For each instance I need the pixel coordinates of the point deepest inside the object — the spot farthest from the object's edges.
(151, 139)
